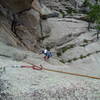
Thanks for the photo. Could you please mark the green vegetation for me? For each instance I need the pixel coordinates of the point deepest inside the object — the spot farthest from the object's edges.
(97, 1)
(88, 54)
(98, 28)
(44, 37)
(97, 51)
(94, 13)
(64, 49)
(85, 41)
(74, 59)
(62, 13)
(70, 11)
(69, 60)
(81, 56)
(59, 54)
(83, 45)
(86, 3)
(62, 61)
(94, 17)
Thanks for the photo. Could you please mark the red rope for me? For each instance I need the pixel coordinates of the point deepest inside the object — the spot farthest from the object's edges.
(34, 67)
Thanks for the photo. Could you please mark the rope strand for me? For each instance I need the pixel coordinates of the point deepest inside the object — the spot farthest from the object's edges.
(70, 73)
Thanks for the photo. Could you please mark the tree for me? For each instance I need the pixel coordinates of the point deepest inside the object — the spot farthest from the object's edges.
(98, 27)
(97, 1)
(86, 3)
(94, 15)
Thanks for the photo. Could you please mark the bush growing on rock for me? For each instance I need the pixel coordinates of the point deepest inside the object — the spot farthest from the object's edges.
(94, 16)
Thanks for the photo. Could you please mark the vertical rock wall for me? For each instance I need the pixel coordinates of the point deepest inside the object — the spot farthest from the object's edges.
(21, 18)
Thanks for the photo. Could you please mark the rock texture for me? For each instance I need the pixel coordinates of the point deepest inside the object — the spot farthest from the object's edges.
(66, 7)
(16, 5)
(27, 84)
(24, 24)
(20, 20)
(63, 4)
(65, 30)
(73, 43)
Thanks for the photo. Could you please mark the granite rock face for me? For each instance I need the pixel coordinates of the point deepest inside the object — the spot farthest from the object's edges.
(65, 7)
(17, 83)
(24, 23)
(63, 4)
(21, 19)
(16, 5)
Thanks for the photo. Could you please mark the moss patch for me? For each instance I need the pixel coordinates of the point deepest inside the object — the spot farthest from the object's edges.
(64, 49)
(62, 61)
(85, 41)
(82, 56)
(59, 54)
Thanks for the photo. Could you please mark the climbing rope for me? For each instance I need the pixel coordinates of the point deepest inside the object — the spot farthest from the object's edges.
(34, 67)
(58, 71)
(75, 74)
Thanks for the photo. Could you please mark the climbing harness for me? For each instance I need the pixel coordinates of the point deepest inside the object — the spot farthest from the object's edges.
(58, 71)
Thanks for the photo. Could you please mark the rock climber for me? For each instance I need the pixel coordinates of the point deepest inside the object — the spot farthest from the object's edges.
(47, 54)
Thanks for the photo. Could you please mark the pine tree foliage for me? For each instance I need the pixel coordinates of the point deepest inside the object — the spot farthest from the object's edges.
(94, 16)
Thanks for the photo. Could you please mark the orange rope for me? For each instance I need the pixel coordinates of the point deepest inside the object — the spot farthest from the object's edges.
(75, 74)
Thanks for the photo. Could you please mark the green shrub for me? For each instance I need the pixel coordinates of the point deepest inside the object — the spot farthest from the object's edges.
(94, 16)
(83, 45)
(97, 51)
(64, 49)
(59, 54)
(88, 54)
(85, 41)
(87, 3)
(69, 61)
(62, 61)
(74, 59)
(81, 56)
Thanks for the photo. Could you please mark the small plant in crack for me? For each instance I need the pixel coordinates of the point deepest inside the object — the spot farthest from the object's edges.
(59, 54)
(69, 61)
(85, 41)
(88, 54)
(97, 51)
(70, 35)
(83, 45)
(62, 61)
(74, 59)
(81, 56)
(64, 49)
